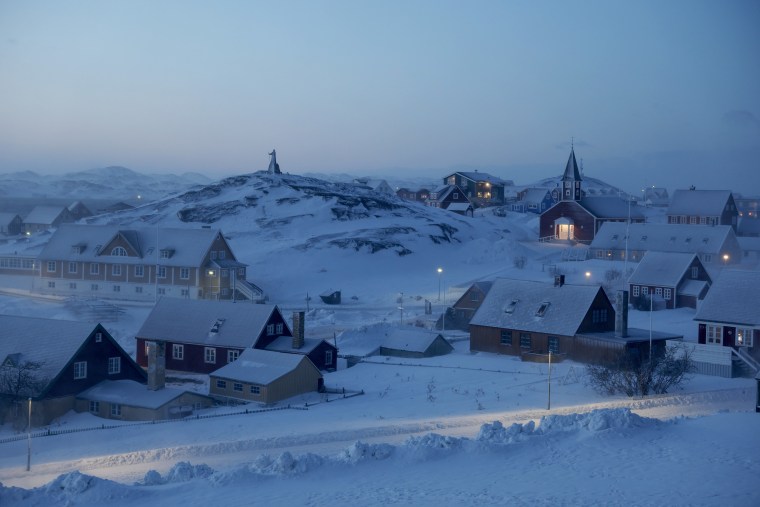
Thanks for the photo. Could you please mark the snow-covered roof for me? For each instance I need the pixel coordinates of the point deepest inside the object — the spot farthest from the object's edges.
(534, 195)
(189, 246)
(50, 342)
(515, 304)
(661, 268)
(44, 214)
(285, 344)
(458, 206)
(411, 340)
(692, 287)
(260, 366)
(479, 176)
(130, 393)
(7, 218)
(699, 202)
(662, 237)
(656, 195)
(611, 207)
(192, 321)
(733, 299)
(749, 244)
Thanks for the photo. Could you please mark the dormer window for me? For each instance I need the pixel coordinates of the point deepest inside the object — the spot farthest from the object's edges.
(166, 253)
(119, 251)
(542, 309)
(78, 249)
(511, 306)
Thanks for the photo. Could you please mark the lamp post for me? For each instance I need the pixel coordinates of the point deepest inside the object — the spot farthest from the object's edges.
(440, 272)
(29, 439)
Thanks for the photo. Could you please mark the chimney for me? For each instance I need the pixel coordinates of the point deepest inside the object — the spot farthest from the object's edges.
(156, 365)
(559, 280)
(621, 314)
(298, 329)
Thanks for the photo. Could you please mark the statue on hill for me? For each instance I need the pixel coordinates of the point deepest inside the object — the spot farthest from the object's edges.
(274, 167)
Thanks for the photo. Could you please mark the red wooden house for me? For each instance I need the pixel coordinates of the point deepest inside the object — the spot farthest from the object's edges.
(703, 207)
(673, 279)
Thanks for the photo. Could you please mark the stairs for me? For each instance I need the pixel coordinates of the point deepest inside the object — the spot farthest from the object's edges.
(743, 365)
(250, 291)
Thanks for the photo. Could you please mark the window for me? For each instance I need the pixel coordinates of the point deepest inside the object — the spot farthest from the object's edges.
(645, 291)
(225, 273)
(115, 410)
(474, 297)
(714, 334)
(161, 291)
(98, 337)
(668, 294)
(185, 292)
(117, 288)
(165, 254)
(510, 308)
(694, 272)
(232, 355)
(456, 195)
(255, 390)
(222, 254)
(72, 267)
(225, 291)
(692, 220)
(138, 289)
(237, 386)
(278, 329)
(94, 269)
(707, 258)
(328, 357)
(114, 365)
(221, 384)
(599, 315)
(162, 271)
(600, 254)
(72, 285)
(542, 309)
(119, 251)
(116, 270)
(524, 340)
(635, 290)
(658, 291)
(703, 220)
(94, 407)
(51, 285)
(209, 355)
(51, 266)
(178, 351)
(94, 286)
(184, 273)
(241, 272)
(80, 369)
(139, 271)
(744, 337)
(554, 345)
(270, 329)
(213, 255)
(506, 337)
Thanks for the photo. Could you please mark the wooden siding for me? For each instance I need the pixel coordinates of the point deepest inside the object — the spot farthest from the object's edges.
(488, 339)
(583, 221)
(132, 413)
(305, 378)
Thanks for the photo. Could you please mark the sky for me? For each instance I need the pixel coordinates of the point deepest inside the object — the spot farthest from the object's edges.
(649, 93)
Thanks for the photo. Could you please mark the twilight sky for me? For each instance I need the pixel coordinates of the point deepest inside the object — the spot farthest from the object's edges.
(654, 93)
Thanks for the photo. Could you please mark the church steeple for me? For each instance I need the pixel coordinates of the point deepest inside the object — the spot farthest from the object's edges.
(571, 180)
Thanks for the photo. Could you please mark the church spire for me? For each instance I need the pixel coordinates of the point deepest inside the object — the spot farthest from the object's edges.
(571, 180)
(571, 169)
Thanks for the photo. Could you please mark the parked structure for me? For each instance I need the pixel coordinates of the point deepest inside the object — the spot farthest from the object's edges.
(142, 264)
(577, 217)
(675, 279)
(715, 245)
(703, 207)
(265, 377)
(70, 357)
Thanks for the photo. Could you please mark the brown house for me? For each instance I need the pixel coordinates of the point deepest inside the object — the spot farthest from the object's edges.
(461, 312)
(703, 207)
(578, 217)
(265, 377)
(70, 357)
(529, 319)
(674, 280)
(142, 264)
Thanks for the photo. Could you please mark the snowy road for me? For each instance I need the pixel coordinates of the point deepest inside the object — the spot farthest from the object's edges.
(131, 466)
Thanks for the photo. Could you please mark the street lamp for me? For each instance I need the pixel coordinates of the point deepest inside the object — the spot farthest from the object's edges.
(440, 272)
(725, 259)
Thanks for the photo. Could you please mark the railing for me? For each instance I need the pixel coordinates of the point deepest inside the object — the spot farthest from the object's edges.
(249, 290)
(748, 360)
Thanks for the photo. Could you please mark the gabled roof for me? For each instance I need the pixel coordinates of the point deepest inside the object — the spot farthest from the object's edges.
(50, 342)
(202, 322)
(699, 202)
(733, 299)
(190, 245)
(45, 215)
(261, 366)
(7, 218)
(410, 340)
(444, 191)
(477, 176)
(611, 207)
(534, 195)
(665, 269)
(663, 237)
(571, 169)
(514, 304)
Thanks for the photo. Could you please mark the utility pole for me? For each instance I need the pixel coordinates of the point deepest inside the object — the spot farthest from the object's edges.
(29, 439)
(549, 404)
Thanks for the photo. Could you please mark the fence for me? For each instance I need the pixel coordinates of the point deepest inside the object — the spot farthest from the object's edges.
(50, 432)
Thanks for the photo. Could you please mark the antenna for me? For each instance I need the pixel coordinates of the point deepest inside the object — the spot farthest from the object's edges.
(572, 142)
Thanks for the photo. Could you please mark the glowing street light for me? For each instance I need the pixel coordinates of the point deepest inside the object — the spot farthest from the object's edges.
(725, 259)
(588, 275)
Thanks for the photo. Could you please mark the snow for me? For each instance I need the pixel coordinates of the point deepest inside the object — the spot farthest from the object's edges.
(460, 429)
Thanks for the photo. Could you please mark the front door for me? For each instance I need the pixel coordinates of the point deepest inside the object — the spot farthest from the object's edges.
(565, 231)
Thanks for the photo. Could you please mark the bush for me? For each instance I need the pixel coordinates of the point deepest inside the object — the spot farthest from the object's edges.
(633, 377)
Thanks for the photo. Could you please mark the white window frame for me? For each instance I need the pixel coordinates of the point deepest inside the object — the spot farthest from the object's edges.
(658, 291)
(178, 351)
(114, 365)
(162, 271)
(117, 288)
(119, 251)
(232, 355)
(116, 270)
(328, 357)
(668, 294)
(744, 336)
(51, 266)
(94, 407)
(72, 267)
(635, 291)
(209, 355)
(115, 410)
(270, 329)
(714, 334)
(694, 272)
(139, 271)
(94, 269)
(80, 370)
(184, 273)
(278, 328)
